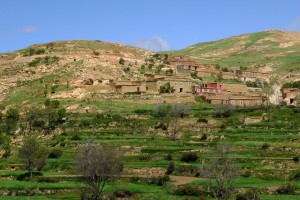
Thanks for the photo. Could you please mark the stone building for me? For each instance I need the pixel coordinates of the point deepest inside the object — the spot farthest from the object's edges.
(291, 95)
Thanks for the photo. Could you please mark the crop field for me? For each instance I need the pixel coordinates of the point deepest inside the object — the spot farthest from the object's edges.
(265, 153)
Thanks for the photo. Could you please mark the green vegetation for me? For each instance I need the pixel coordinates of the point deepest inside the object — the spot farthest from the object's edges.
(47, 60)
(254, 51)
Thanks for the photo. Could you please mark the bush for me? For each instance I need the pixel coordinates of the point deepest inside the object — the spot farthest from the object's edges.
(55, 153)
(144, 157)
(76, 137)
(121, 61)
(122, 193)
(170, 168)
(26, 175)
(296, 159)
(202, 120)
(158, 180)
(166, 88)
(246, 174)
(295, 176)
(169, 156)
(286, 189)
(223, 111)
(189, 157)
(265, 146)
(187, 190)
(203, 136)
(46, 180)
(162, 126)
(249, 195)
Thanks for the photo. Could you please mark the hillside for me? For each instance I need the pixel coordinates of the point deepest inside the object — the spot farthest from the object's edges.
(268, 51)
(168, 145)
(72, 63)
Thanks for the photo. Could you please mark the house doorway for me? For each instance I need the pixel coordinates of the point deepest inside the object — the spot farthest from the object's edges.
(138, 89)
(181, 90)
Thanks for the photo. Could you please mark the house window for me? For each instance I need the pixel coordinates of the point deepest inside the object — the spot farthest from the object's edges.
(241, 103)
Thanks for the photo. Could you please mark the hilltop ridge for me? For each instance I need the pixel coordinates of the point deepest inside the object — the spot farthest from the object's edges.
(267, 51)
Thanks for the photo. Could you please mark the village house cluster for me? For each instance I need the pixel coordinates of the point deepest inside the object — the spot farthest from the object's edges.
(220, 92)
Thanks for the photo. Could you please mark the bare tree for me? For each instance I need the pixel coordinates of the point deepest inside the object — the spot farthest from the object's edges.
(170, 115)
(221, 173)
(32, 154)
(97, 165)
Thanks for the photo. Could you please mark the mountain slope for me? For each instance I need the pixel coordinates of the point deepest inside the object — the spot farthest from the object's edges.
(268, 51)
(64, 63)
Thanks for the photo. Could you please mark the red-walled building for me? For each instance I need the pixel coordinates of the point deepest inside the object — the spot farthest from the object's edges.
(208, 88)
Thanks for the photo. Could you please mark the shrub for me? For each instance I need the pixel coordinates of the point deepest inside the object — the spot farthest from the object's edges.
(223, 111)
(170, 168)
(295, 176)
(26, 175)
(162, 126)
(187, 190)
(169, 156)
(166, 88)
(76, 137)
(246, 174)
(121, 61)
(134, 179)
(122, 193)
(202, 120)
(265, 146)
(158, 180)
(144, 157)
(296, 159)
(189, 157)
(55, 153)
(46, 180)
(249, 195)
(203, 136)
(286, 189)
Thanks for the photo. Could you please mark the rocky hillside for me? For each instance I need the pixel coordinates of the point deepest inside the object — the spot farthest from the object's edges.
(268, 51)
(67, 66)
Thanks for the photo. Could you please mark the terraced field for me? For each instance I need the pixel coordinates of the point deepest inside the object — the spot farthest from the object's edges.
(265, 153)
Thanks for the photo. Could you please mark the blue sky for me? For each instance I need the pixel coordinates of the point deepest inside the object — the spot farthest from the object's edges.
(152, 24)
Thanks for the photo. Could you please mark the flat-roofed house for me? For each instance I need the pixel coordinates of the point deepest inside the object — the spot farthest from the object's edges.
(245, 100)
(130, 87)
(291, 95)
(207, 88)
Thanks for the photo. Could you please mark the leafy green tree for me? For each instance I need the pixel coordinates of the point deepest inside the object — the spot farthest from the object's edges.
(166, 88)
(32, 154)
(121, 61)
(12, 117)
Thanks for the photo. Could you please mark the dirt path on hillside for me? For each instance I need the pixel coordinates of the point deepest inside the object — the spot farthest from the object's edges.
(181, 180)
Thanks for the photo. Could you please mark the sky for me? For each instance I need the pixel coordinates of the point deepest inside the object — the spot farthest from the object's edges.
(157, 25)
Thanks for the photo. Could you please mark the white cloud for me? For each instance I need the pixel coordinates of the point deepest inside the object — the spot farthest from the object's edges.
(295, 25)
(29, 29)
(155, 43)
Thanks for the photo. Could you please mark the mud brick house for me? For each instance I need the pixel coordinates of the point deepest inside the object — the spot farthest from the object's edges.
(130, 87)
(290, 95)
(234, 88)
(181, 85)
(208, 88)
(252, 76)
(245, 100)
